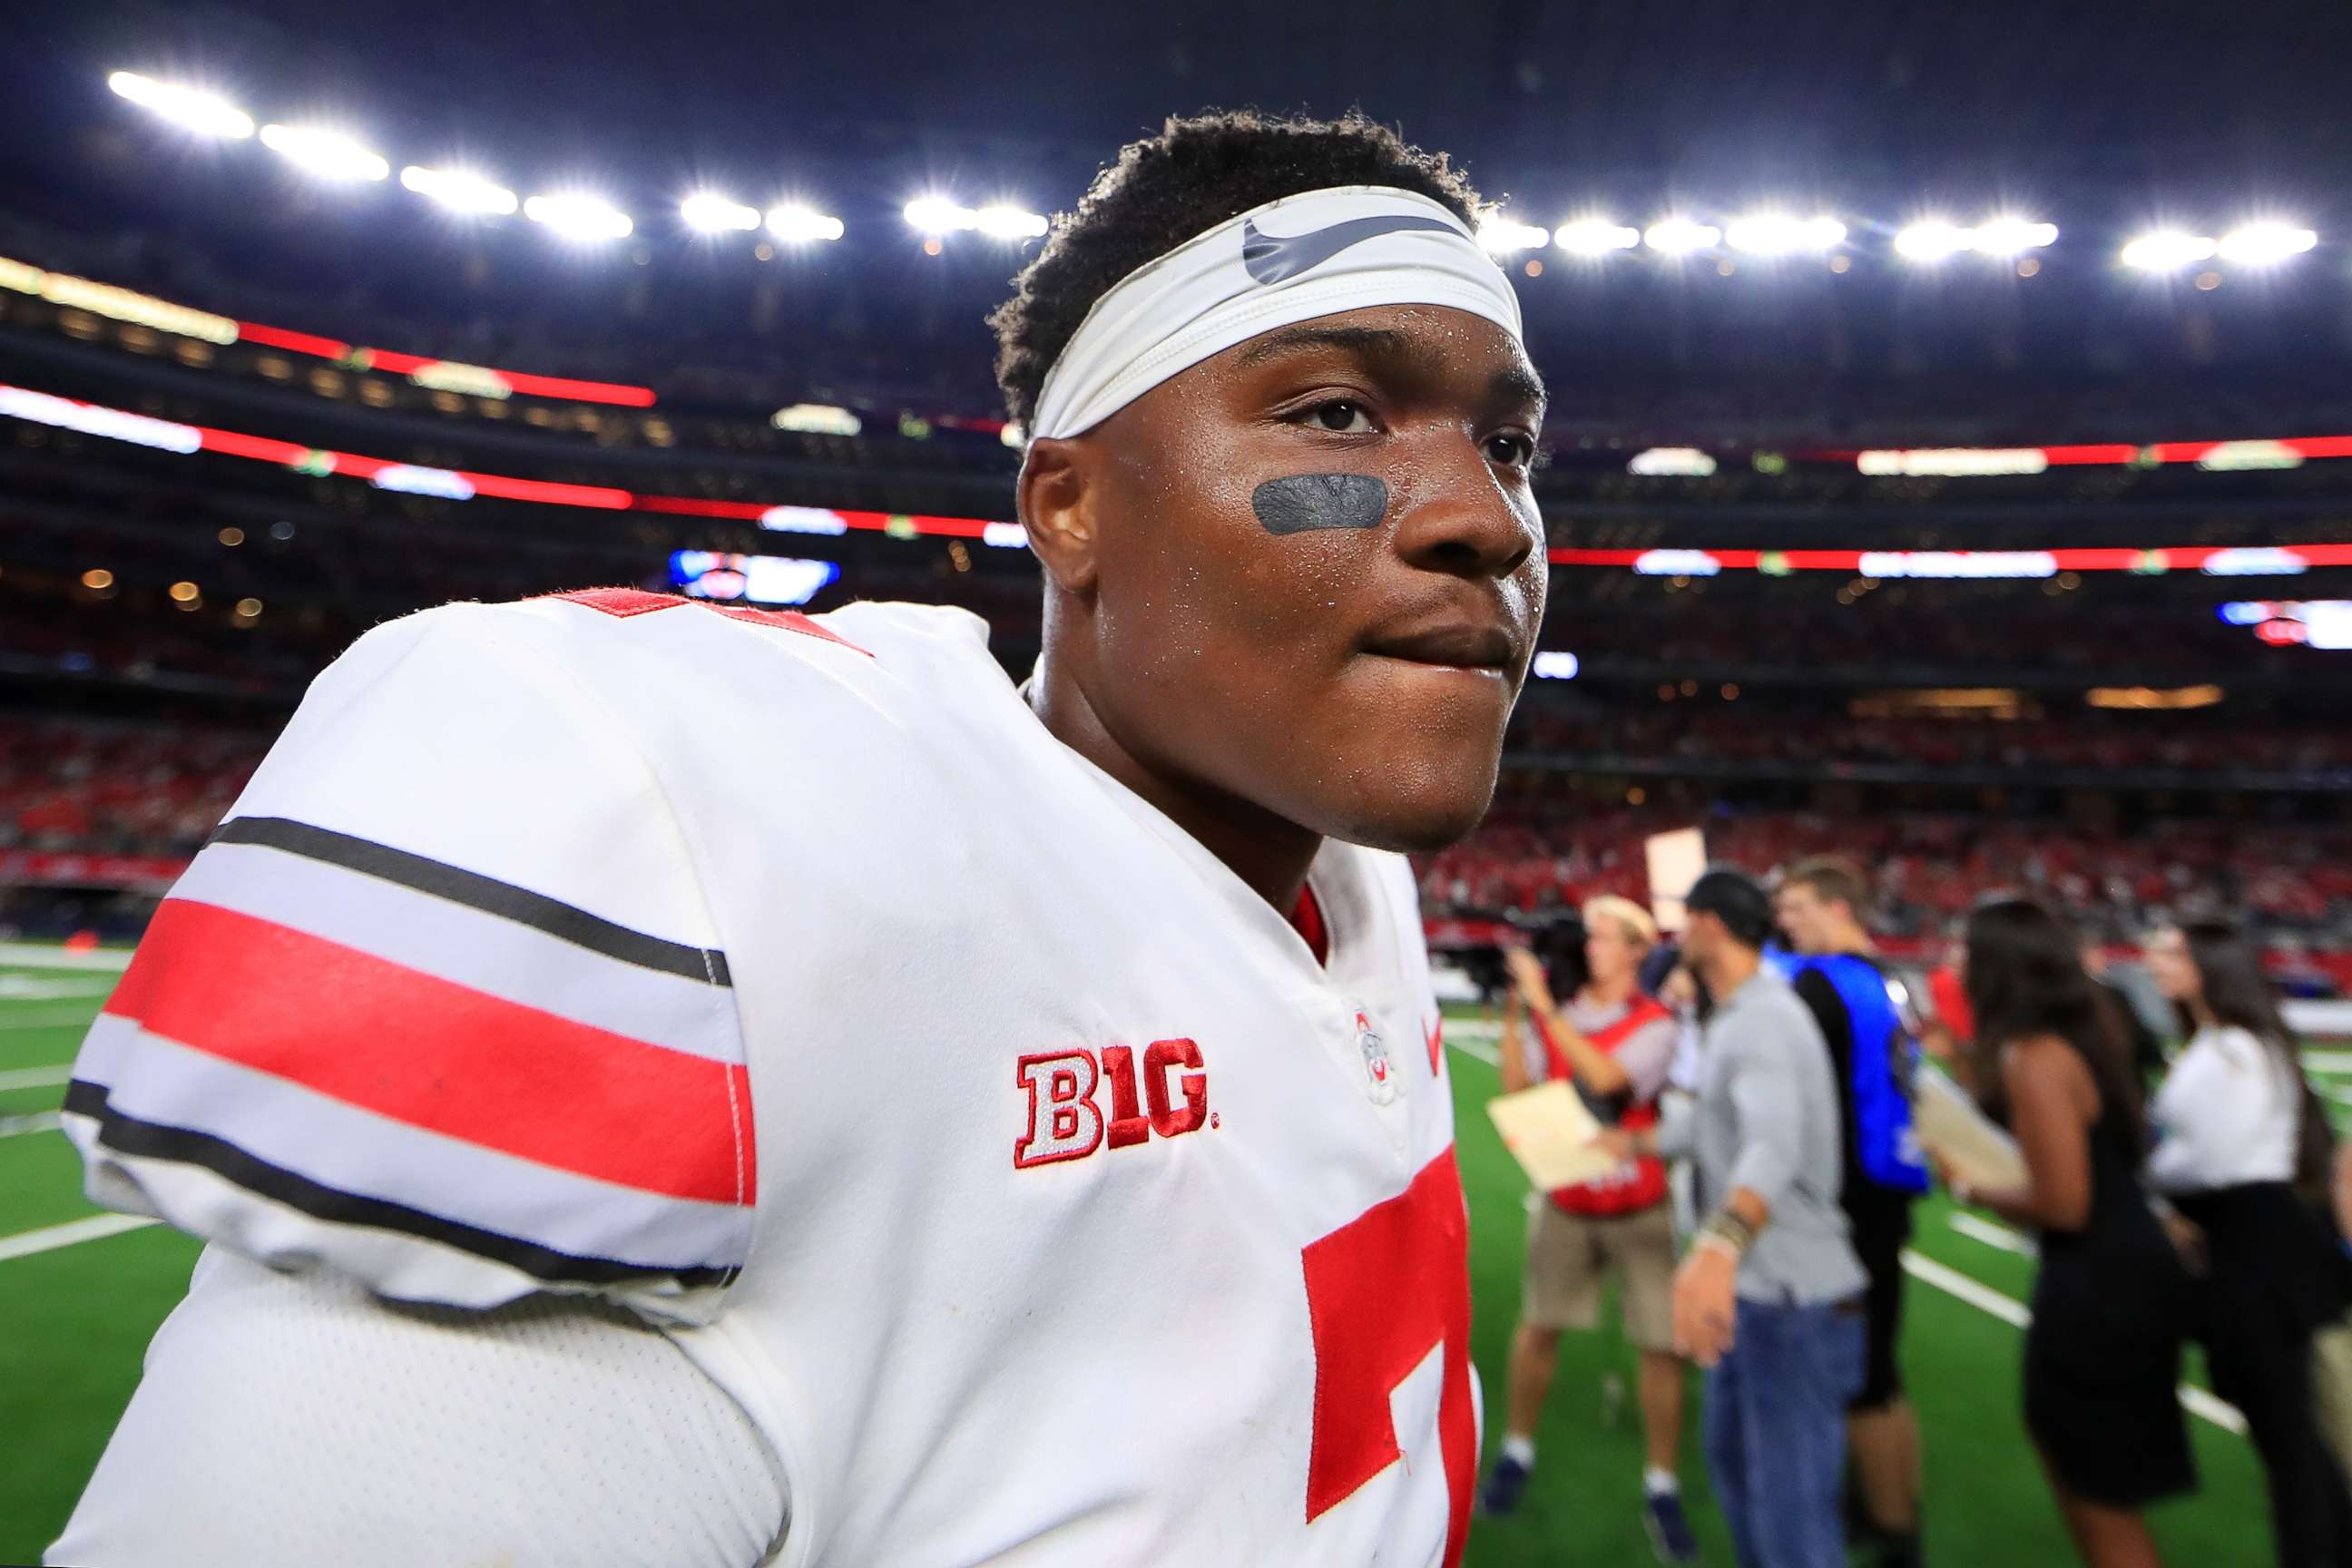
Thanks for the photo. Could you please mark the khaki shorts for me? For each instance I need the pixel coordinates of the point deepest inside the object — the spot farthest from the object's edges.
(1569, 1255)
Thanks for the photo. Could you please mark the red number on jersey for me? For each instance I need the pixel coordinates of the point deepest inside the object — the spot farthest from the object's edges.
(1380, 1291)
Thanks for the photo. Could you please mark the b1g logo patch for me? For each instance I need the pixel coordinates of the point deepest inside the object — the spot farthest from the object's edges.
(1066, 1123)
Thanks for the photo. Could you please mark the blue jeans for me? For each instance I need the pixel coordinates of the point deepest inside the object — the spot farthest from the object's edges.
(1776, 1432)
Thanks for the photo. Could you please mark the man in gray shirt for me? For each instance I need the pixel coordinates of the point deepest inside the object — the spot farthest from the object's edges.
(1769, 1298)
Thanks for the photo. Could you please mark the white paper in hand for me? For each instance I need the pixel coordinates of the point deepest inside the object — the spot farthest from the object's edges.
(1549, 1131)
(1963, 1137)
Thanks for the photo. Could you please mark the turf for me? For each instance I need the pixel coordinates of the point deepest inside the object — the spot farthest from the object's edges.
(75, 1321)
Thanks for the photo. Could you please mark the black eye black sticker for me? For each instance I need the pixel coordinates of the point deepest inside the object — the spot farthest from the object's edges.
(1303, 501)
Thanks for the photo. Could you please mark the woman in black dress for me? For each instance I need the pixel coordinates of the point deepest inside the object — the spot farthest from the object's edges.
(2110, 1302)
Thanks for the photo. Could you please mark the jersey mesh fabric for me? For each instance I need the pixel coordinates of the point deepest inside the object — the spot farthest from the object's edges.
(331, 1427)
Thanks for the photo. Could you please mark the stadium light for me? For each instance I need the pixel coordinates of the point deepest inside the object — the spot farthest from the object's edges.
(579, 216)
(329, 155)
(1932, 240)
(2011, 236)
(460, 190)
(1000, 221)
(795, 222)
(707, 212)
(1680, 235)
(2168, 249)
(189, 107)
(2259, 244)
(939, 214)
(1502, 236)
(1777, 233)
(1594, 236)
(1554, 664)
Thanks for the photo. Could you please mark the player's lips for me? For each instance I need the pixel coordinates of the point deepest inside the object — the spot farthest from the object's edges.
(1471, 644)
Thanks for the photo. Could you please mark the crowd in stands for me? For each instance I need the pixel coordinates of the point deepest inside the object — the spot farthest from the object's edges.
(144, 788)
(96, 786)
(1540, 852)
(2089, 739)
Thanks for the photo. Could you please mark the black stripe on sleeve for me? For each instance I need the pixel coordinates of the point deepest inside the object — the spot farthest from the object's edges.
(157, 1140)
(442, 880)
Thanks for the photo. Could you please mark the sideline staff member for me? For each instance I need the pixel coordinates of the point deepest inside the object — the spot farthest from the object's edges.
(1615, 1045)
(1769, 1298)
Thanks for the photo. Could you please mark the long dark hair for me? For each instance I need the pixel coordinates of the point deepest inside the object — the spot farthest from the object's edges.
(2236, 992)
(2026, 978)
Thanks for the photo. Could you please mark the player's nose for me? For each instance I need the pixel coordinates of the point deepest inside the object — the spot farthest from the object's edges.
(1463, 521)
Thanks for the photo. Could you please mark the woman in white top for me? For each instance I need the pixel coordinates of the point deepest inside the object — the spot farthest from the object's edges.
(2237, 1130)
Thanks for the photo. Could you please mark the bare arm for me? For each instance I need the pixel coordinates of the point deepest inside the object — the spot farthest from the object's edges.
(2052, 1102)
(1593, 1068)
(1514, 1058)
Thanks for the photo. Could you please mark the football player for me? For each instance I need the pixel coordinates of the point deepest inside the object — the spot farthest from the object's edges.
(676, 1085)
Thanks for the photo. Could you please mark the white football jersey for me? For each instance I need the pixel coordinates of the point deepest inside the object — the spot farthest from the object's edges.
(1019, 1172)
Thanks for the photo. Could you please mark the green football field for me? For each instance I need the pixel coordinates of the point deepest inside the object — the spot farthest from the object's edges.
(78, 1300)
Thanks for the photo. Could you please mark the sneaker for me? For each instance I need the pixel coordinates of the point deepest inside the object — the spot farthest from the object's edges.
(1670, 1532)
(1503, 1487)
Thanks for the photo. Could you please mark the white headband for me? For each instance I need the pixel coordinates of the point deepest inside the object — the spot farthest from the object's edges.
(1331, 251)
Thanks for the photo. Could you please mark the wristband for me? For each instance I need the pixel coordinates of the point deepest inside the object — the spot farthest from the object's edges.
(1715, 1241)
(1727, 1232)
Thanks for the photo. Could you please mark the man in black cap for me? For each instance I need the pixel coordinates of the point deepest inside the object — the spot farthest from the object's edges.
(1769, 1299)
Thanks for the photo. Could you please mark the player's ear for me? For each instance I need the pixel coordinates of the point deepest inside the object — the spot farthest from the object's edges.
(1056, 498)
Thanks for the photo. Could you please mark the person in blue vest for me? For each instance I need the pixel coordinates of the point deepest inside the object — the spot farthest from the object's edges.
(1834, 972)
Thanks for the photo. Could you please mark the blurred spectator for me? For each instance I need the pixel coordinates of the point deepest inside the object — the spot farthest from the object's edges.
(2102, 1351)
(2238, 1132)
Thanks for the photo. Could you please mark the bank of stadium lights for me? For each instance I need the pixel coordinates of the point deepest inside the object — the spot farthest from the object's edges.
(796, 223)
(1778, 234)
(460, 191)
(1933, 239)
(189, 107)
(2254, 244)
(938, 215)
(329, 154)
(1594, 236)
(576, 215)
(1681, 236)
(707, 212)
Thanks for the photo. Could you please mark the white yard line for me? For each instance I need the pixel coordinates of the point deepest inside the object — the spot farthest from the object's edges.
(1471, 1049)
(1991, 1235)
(34, 955)
(1952, 1282)
(73, 1232)
(55, 1018)
(2327, 1061)
(14, 987)
(39, 1122)
(36, 1078)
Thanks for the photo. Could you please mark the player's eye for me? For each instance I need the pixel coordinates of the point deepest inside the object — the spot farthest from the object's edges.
(1341, 418)
(1512, 450)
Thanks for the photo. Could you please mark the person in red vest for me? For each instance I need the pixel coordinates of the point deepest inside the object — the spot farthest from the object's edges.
(1615, 1045)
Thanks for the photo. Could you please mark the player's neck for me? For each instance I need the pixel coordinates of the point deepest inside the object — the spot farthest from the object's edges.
(1270, 854)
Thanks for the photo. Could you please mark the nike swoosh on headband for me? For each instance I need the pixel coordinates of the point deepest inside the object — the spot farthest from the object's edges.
(1271, 259)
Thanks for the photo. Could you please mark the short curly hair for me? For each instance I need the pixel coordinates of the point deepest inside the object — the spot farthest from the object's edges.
(1165, 189)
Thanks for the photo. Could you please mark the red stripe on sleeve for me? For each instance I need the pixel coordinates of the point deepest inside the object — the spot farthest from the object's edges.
(440, 1056)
